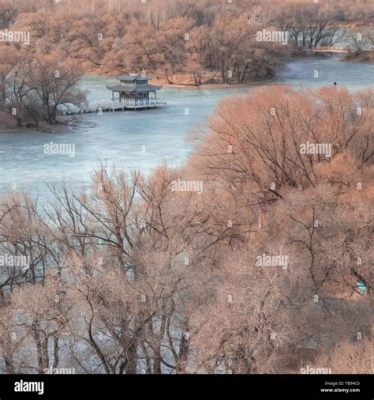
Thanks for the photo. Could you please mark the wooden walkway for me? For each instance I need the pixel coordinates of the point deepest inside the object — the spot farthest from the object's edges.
(100, 107)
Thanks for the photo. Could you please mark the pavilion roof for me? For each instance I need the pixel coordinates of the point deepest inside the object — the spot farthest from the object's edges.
(129, 88)
(133, 77)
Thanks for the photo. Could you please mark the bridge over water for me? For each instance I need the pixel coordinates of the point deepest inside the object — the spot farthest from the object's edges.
(112, 106)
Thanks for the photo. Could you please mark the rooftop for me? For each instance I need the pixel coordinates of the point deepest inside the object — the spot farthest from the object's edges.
(133, 78)
(134, 87)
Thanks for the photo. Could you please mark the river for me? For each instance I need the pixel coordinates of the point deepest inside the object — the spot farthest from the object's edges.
(143, 139)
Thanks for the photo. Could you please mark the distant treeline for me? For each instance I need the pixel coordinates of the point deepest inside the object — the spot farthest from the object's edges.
(179, 42)
(196, 41)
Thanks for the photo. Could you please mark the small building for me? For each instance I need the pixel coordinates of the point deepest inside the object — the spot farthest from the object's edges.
(135, 92)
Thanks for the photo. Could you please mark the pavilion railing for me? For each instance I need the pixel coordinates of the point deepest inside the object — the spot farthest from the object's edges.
(142, 102)
(108, 105)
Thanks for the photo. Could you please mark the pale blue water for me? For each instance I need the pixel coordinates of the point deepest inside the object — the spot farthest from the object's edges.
(330, 69)
(142, 139)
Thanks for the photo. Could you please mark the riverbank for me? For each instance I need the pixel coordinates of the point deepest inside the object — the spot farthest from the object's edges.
(7, 123)
(363, 57)
(43, 128)
(208, 79)
(185, 84)
(216, 85)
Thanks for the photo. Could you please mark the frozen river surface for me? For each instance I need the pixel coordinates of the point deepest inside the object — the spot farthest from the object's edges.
(144, 139)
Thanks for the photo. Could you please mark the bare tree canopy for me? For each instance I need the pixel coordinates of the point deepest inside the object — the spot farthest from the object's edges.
(260, 271)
